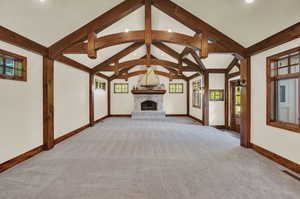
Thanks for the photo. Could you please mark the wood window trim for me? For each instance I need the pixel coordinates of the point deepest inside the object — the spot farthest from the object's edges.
(181, 84)
(193, 98)
(217, 90)
(24, 66)
(295, 128)
(121, 84)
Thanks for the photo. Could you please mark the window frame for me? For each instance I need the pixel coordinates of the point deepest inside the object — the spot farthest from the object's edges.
(21, 59)
(197, 91)
(270, 79)
(122, 92)
(176, 84)
(217, 100)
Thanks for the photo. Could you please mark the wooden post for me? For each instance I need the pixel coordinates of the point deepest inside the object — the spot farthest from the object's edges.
(91, 92)
(245, 102)
(108, 97)
(188, 97)
(206, 100)
(226, 101)
(48, 103)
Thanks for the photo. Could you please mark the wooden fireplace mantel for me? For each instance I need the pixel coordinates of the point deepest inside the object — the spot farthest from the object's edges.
(148, 92)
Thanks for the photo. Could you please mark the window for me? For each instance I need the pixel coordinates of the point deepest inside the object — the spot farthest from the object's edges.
(237, 100)
(216, 95)
(99, 84)
(175, 88)
(197, 96)
(283, 73)
(12, 66)
(121, 88)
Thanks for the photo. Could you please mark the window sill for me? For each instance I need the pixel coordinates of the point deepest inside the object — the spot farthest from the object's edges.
(13, 78)
(286, 126)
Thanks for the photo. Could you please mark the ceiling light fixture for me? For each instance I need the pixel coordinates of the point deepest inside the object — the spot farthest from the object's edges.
(42, 0)
(169, 30)
(249, 1)
(126, 30)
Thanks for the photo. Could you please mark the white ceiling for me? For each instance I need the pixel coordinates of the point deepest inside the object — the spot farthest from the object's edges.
(49, 21)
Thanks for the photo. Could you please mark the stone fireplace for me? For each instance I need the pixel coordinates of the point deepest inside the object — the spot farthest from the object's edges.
(148, 105)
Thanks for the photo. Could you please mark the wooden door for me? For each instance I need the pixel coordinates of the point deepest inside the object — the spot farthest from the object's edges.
(235, 106)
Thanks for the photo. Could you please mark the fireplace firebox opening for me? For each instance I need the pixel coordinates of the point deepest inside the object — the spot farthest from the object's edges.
(149, 106)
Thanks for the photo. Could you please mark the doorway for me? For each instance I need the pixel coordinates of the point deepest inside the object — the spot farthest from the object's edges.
(235, 106)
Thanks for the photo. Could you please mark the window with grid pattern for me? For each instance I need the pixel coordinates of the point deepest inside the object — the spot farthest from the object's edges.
(99, 84)
(12, 66)
(121, 88)
(197, 96)
(283, 84)
(176, 88)
(216, 95)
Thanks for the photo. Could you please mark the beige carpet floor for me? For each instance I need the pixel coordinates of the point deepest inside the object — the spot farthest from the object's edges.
(134, 159)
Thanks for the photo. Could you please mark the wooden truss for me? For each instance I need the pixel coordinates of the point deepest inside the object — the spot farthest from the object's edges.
(206, 40)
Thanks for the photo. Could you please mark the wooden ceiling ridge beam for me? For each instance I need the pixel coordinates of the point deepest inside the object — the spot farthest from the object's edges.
(97, 25)
(123, 53)
(199, 26)
(148, 29)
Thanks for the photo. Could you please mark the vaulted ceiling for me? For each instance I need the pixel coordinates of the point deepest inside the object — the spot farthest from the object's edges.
(49, 21)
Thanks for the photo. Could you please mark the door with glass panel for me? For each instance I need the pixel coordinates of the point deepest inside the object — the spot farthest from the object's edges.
(235, 106)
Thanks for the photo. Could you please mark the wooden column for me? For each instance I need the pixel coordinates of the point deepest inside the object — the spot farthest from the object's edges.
(226, 101)
(206, 100)
(108, 97)
(188, 97)
(245, 102)
(91, 92)
(48, 103)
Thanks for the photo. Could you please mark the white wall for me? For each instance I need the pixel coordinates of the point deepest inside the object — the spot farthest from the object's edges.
(21, 108)
(122, 104)
(196, 112)
(216, 109)
(71, 99)
(282, 142)
(100, 101)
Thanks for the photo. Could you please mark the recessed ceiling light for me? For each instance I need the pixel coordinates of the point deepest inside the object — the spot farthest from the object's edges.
(42, 0)
(126, 30)
(249, 1)
(169, 30)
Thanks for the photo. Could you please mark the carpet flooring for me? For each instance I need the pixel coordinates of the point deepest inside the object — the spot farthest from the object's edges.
(174, 158)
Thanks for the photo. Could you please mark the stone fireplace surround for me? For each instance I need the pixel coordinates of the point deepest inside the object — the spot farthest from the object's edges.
(138, 113)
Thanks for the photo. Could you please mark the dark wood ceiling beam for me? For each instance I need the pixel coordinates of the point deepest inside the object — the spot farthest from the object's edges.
(277, 39)
(160, 73)
(73, 63)
(13, 38)
(176, 55)
(232, 65)
(118, 56)
(198, 60)
(196, 24)
(91, 51)
(143, 62)
(216, 70)
(194, 76)
(148, 22)
(102, 76)
(204, 46)
(136, 36)
(97, 25)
